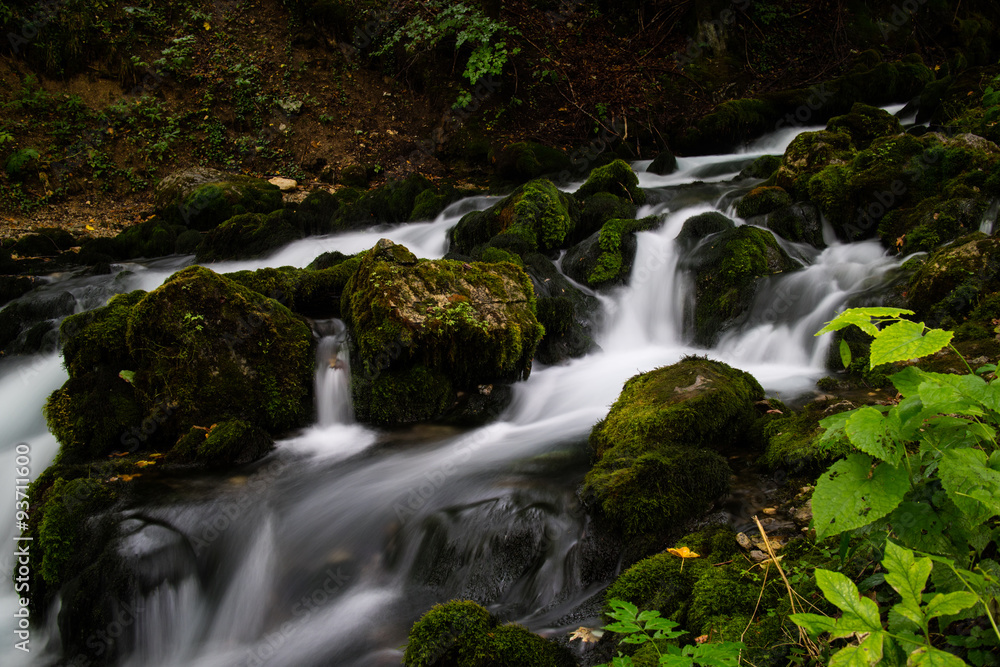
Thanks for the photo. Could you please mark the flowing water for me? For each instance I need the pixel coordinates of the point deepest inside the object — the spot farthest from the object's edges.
(328, 550)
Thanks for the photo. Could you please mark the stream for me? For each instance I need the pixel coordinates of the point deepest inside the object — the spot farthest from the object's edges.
(328, 550)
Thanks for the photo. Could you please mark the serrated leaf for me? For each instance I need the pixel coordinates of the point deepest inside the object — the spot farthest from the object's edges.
(851, 494)
(624, 627)
(865, 428)
(921, 526)
(950, 603)
(845, 353)
(928, 656)
(906, 340)
(865, 654)
(862, 318)
(971, 484)
(842, 592)
(907, 380)
(814, 624)
(908, 575)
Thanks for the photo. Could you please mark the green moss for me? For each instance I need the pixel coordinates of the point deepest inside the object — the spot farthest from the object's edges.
(250, 235)
(537, 215)
(658, 582)
(695, 402)
(212, 203)
(730, 590)
(865, 123)
(598, 209)
(616, 178)
(97, 337)
(808, 154)
(408, 395)
(762, 167)
(792, 439)
(44, 242)
(66, 507)
(94, 415)
(727, 268)
(611, 265)
(762, 200)
(200, 339)
(463, 634)
(704, 224)
(310, 292)
(152, 238)
(434, 313)
(390, 203)
(233, 442)
(492, 255)
(932, 223)
(427, 205)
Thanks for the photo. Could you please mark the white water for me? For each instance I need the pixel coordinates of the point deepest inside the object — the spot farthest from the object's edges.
(345, 535)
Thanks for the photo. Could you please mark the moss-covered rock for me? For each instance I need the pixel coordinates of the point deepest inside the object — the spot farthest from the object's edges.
(762, 167)
(605, 258)
(567, 314)
(313, 292)
(152, 238)
(702, 225)
(799, 223)
(434, 321)
(201, 198)
(464, 634)
(598, 209)
(808, 154)
(656, 461)
(932, 223)
(958, 283)
(200, 339)
(229, 443)
(615, 178)
(147, 367)
(249, 235)
(523, 161)
(536, 216)
(792, 438)
(864, 124)
(390, 203)
(44, 242)
(762, 200)
(727, 268)
(664, 164)
(29, 325)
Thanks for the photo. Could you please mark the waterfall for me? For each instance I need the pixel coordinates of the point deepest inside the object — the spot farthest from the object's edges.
(333, 377)
(345, 534)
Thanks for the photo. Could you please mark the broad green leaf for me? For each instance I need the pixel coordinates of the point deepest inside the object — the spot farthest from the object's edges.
(842, 592)
(946, 398)
(814, 624)
(971, 484)
(921, 526)
(720, 654)
(626, 609)
(950, 603)
(907, 380)
(865, 429)
(988, 368)
(648, 615)
(928, 656)
(851, 494)
(625, 627)
(900, 625)
(862, 318)
(908, 575)
(865, 654)
(834, 425)
(845, 353)
(906, 340)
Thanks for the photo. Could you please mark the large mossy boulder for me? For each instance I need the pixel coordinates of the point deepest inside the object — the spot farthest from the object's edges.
(249, 235)
(390, 203)
(761, 201)
(425, 330)
(727, 268)
(201, 198)
(597, 209)
(523, 161)
(658, 463)
(462, 633)
(864, 124)
(616, 178)
(312, 292)
(605, 258)
(197, 351)
(700, 226)
(959, 286)
(809, 153)
(535, 217)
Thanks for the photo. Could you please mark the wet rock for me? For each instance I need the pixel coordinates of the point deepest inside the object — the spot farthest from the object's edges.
(762, 200)
(605, 258)
(704, 224)
(616, 178)
(283, 184)
(424, 330)
(664, 164)
(201, 198)
(656, 454)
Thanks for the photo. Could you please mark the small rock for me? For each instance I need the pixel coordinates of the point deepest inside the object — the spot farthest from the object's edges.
(743, 540)
(770, 510)
(759, 556)
(284, 184)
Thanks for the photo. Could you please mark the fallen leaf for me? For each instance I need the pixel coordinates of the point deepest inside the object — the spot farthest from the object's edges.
(588, 635)
(683, 552)
(143, 464)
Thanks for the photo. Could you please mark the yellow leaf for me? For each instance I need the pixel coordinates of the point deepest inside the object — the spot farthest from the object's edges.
(129, 478)
(207, 26)
(90, 228)
(143, 464)
(156, 456)
(683, 552)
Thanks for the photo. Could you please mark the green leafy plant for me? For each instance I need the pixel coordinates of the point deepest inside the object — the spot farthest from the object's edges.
(648, 627)
(438, 20)
(925, 474)
(909, 621)
(20, 161)
(991, 102)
